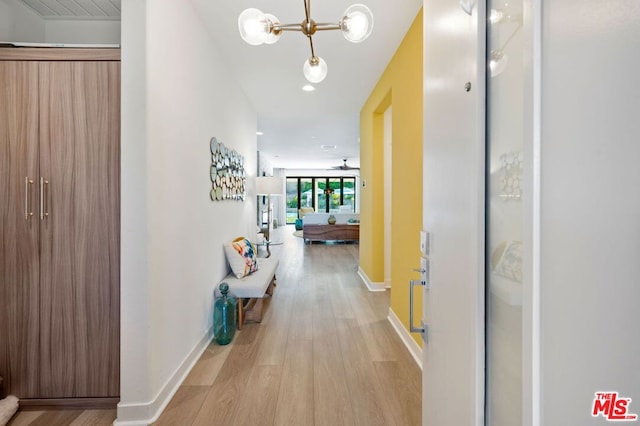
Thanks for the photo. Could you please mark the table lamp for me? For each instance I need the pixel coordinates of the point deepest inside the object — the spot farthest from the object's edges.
(269, 185)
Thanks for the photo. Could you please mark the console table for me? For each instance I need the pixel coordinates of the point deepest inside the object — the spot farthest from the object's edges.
(337, 232)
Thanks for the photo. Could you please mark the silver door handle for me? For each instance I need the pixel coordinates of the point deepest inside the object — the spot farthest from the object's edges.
(423, 329)
(43, 213)
(27, 213)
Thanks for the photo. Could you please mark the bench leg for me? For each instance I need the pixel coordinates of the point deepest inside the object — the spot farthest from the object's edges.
(252, 311)
(240, 302)
(272, 284)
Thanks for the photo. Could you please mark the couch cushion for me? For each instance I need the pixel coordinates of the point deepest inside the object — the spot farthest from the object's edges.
(304, 211)
(323, 218)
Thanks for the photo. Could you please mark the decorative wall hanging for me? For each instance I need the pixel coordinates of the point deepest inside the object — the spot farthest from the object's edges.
(227, 173)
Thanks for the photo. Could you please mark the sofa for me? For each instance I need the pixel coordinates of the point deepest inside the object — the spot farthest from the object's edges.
(301, 212)
(316, 227)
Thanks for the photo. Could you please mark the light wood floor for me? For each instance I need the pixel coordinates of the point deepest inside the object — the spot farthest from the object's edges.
(324, 354)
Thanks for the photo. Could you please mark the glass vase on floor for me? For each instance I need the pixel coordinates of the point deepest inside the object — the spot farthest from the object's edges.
(224, 316)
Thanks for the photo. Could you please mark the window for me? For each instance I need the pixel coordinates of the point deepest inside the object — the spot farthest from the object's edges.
(324, 194)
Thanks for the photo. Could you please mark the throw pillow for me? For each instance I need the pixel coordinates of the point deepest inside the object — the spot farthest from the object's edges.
(242, 258)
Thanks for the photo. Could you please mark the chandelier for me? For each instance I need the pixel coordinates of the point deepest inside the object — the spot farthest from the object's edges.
(257, 28)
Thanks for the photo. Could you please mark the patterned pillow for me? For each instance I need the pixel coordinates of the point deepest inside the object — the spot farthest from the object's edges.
(241, 255)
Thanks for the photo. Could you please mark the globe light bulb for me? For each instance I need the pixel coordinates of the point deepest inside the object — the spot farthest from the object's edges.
(315, 69)
(253, 26)
(357, 23)
(272, 36)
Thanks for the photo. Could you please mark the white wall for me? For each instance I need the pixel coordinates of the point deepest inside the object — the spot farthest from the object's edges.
(177, 94)
(19, 23)
(82, 32)
(5, 21)
(590, 206)
(322, 172)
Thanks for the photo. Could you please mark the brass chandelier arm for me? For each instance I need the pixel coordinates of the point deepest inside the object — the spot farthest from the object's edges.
(307, 10)
(327, 26)
(313, 53)
(287, 27)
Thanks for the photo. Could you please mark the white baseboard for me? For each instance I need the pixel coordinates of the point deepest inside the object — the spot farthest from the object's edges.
(143, 414)
(371, 286)
(405, 336)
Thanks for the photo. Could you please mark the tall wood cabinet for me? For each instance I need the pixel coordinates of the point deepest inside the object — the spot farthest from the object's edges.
(60, 223)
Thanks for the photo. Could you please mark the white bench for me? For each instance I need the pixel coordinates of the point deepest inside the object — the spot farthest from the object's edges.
(251, 290)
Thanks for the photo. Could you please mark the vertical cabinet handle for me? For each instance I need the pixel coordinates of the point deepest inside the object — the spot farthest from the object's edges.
(44, 213)
(27, 213)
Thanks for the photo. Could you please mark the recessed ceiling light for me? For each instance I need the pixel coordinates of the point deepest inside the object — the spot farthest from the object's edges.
(308, 88)
(327, 147)
(259, 133)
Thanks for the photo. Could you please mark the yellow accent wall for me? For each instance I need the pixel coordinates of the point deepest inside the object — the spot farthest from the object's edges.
(400, 87)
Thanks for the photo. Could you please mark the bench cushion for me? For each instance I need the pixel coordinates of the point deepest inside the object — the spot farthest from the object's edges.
(254, 285)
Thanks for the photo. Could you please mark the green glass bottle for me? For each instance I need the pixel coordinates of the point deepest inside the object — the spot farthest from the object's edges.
(224, 316)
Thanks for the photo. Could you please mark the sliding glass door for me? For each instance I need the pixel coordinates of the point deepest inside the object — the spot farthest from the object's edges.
(324, 194)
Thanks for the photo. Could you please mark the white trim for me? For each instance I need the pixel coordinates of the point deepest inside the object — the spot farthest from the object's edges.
(536, 209)
(371, 286)
(387, 174)
(145, 413)
(531, 410)
(481, 213)
(405, 336)
(62, 45)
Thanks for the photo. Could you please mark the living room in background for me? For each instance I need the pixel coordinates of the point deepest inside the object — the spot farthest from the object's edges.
(324, 194)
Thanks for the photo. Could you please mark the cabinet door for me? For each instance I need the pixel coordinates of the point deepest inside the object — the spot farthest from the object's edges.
(80, 259)
(19, 269)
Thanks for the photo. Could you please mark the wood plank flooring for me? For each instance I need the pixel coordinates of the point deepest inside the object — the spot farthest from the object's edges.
(324, 354)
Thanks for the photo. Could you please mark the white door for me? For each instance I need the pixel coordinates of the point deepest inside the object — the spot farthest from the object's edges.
(453, 206)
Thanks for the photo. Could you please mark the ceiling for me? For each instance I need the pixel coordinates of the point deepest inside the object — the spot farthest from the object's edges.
(302, 130)
(298, 126)
(70, 9)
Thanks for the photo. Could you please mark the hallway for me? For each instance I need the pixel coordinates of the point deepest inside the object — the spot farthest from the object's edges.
(324, 354)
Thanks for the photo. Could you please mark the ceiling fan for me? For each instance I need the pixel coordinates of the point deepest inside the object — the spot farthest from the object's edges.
(345, 166)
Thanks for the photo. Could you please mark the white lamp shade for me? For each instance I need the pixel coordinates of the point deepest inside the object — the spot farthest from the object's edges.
(357, 23)
(269, 185)
(315, 73)
(253, 26)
